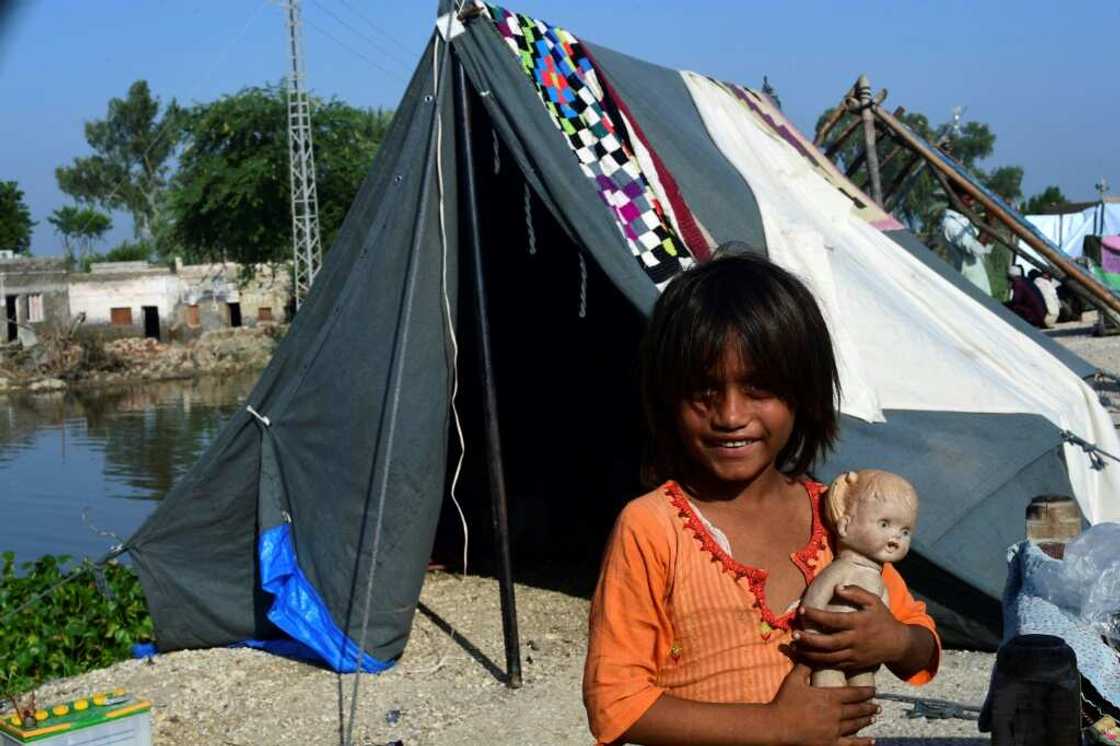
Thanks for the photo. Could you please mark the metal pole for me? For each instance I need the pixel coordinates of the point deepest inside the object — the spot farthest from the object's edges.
(494, 465)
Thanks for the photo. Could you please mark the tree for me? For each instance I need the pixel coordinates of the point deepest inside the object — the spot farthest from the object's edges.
(231, 196)
(79, 227)
(133, 149)
(1048, 199)
(15, 219)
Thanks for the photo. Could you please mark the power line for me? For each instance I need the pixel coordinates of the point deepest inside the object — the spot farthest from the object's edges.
(372, 42)
(351, 49)
(378, 30)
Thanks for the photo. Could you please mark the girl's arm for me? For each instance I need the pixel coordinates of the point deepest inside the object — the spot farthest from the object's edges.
(799, 714)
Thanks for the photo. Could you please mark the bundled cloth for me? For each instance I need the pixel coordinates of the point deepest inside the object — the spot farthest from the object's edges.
(1075, 599)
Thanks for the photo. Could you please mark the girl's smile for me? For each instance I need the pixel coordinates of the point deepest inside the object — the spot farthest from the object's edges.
(733, 429)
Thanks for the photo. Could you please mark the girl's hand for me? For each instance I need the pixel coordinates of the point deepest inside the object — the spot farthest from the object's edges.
(858, 640)
(826, 717)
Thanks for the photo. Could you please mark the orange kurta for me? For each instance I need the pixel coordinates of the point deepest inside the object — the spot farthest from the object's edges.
(673, 612)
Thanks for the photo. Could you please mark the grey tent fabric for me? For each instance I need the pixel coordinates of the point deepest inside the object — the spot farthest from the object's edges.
(342, 427)
(546, 160)
(350, 448)
(910, 242)
(659, 100)
(975, 474)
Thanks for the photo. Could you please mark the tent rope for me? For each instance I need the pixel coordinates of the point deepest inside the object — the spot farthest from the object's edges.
(1092, 449)
(529, 220)
(497, 152)
(74, 574)
(433, 150)
(582, 285)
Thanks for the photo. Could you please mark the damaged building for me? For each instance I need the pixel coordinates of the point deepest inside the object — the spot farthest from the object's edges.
(125, 299)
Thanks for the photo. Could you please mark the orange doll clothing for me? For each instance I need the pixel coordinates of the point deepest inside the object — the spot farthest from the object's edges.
(674, 612)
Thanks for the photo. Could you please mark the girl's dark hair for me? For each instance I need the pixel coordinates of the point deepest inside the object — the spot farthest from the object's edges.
(782, 337)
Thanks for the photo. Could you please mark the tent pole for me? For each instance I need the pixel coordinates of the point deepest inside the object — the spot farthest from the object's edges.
(1099, 293)
(494, 465)
(863, 91)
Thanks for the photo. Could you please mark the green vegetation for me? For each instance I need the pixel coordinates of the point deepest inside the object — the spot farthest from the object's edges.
(15, 219)
(79, 227)
(230, 198)
(210, 182)
(134, 146)
(1048, 199)
(74, 629)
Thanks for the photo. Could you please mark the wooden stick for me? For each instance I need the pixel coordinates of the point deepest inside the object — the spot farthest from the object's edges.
(900, 178)
(863, 90)
(995, 210)
(838, 143)
(833, 118)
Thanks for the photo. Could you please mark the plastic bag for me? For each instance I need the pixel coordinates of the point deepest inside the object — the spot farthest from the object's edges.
(1092, 562)
(1087, 582)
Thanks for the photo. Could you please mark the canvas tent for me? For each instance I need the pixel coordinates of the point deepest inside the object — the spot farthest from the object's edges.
(564, 183)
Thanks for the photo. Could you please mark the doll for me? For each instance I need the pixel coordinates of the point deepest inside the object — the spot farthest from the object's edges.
(872, 514)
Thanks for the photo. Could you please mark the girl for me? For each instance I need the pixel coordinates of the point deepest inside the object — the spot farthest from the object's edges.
(692, 623)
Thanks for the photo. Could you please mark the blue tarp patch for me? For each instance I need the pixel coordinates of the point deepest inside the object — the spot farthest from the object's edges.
(299, 611)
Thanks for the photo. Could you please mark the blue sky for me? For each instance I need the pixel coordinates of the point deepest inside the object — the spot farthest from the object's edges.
(1042, 74)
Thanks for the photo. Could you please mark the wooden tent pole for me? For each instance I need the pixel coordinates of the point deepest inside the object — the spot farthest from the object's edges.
(863, 92)
(1097, 291)
(904, 173)
(494, 464)
(833, 118)
(838, 143)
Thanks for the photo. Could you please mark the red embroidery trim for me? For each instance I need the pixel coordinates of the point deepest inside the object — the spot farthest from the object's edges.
(805, 558)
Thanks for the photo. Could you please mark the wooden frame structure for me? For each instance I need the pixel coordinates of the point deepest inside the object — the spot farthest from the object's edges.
(879, 124)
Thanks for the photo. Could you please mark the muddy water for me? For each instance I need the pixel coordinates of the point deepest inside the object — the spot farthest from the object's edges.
(110, 453)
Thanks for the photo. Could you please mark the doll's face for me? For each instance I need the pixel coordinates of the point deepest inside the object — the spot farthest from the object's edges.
(880, 528)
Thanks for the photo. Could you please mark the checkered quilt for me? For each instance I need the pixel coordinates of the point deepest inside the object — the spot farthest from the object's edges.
(567, 83)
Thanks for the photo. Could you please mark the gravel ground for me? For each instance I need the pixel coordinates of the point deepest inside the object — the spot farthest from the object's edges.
(447, 688)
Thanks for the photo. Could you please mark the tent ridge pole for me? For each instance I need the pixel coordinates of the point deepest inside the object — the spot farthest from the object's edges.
(1088, 284)
(494, 464)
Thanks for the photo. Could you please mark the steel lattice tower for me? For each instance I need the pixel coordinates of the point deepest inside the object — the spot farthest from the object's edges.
(306, 246)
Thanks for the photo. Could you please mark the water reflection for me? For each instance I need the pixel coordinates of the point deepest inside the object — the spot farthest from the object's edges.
(113, 451)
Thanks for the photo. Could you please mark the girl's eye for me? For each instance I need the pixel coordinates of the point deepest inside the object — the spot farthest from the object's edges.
(883, 523)
(756, 392)
(906, 532)
(704, 396)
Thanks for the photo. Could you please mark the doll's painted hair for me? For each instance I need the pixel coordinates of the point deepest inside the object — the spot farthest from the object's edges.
(848, 489)
(781, 336)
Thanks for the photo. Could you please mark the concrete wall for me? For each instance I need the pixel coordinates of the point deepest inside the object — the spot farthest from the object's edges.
(189, 299)
(24, 278)
(96, 294)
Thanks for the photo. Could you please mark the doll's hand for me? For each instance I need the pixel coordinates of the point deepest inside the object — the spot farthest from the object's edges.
(858, 640)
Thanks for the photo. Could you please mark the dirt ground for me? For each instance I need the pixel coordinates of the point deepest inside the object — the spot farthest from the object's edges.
(448, 687)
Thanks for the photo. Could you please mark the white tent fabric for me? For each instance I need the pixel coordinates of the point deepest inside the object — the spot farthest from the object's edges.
(907, 336)
(1068, 232)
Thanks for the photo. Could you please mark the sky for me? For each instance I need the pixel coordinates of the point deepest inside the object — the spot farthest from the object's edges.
(1041, 74)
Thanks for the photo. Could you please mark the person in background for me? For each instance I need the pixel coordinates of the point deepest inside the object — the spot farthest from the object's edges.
(1048, 287)
(965, 245)
(1026, 300)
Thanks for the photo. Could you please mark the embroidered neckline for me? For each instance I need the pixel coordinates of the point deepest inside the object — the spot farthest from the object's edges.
(805, 558)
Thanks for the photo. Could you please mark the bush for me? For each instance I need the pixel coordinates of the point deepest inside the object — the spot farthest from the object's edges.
(74, 629)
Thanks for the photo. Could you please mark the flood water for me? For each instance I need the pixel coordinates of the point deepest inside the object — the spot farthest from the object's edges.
(112, 452)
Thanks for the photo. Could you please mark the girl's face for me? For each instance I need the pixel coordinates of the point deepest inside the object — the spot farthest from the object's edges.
(732, 430)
